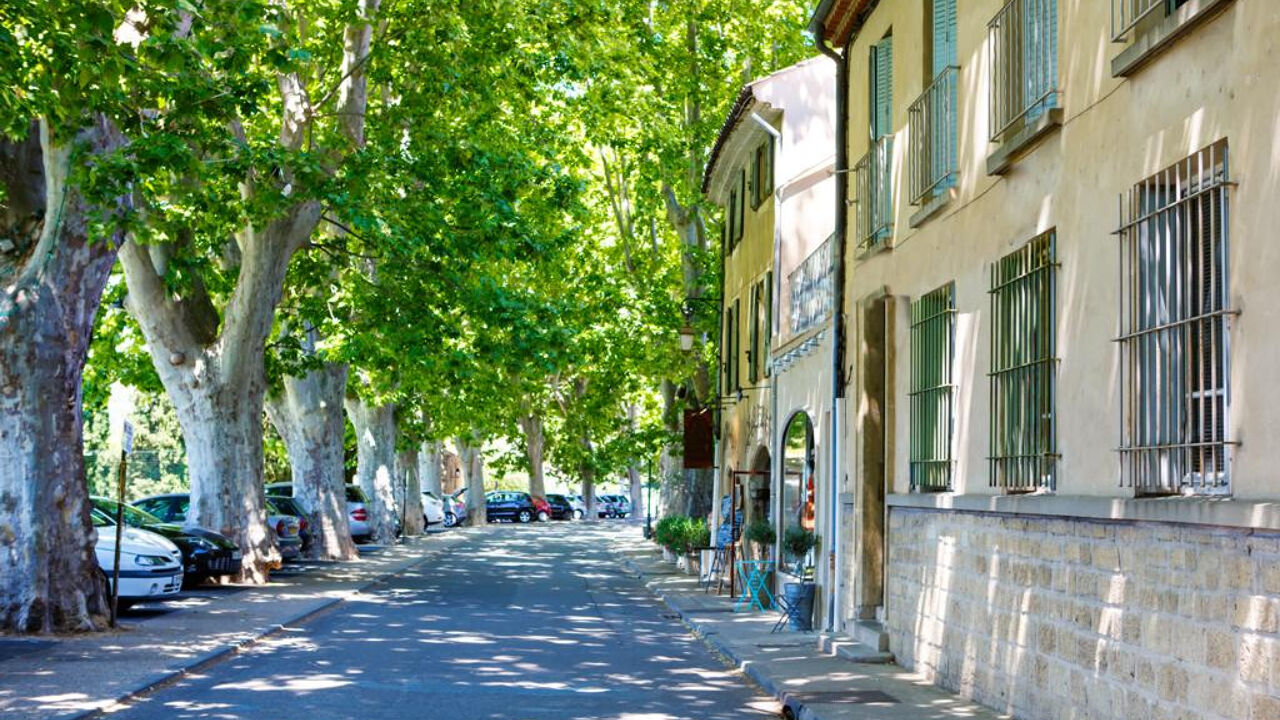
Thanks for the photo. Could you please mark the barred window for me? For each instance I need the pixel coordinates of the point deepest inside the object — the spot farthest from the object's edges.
(933, 333)
(1024, 447)
(1174, 321)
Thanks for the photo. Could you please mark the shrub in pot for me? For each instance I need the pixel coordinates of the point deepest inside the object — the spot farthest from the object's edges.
(762, 533)
(798, 542)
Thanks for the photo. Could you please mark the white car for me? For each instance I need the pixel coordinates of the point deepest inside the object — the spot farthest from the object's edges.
(150, 565)
(432, 508)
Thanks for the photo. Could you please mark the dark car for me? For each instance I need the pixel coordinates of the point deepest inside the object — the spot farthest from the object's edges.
(205, 553)
(357, 508)
(506, 505)
(173, 508)
(561, 508)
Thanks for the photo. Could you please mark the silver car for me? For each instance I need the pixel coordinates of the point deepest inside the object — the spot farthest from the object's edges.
(357, 509)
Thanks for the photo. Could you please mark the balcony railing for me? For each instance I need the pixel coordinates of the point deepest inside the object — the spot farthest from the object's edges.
(1126, 14)
(811, 289)
(932, 121)
(1023, 38)
(873, 195)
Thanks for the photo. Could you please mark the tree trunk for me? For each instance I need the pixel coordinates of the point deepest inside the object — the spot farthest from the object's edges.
(534, 443)
(51, 281)
(375, 428)
(217, 380)
(409, 492)
(308, 414)
(429, 467)
(472, 461)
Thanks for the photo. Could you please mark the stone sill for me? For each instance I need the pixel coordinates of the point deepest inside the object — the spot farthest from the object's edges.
(932, 207)
(1219, 512)
(1149, 44)
(1020, 142)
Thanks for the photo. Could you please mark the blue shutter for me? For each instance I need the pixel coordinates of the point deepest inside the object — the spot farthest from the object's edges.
(882, 88)
(944, 35)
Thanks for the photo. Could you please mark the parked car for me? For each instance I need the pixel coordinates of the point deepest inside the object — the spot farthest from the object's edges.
(542, 507)
(173, 507)
(579, 506)
(455, 510)
(432, 509)
(150, 565)
(289, 506)
(357, 508)
(561, 508)
(621, 505)
(508, 505)
(205, 553)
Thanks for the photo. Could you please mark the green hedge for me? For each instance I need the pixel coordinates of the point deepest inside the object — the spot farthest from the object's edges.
(681, 534)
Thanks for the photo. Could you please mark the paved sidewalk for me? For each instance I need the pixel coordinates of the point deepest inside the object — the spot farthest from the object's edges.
(810, 682)
(78, 676)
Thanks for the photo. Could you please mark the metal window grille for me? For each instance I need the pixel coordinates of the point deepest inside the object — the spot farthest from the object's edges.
(811, 289)
(932, 120)
(1174, 321)
(933, 334)
(1024, 448)
(873, 195)
(1023, 41)
(1128, 14)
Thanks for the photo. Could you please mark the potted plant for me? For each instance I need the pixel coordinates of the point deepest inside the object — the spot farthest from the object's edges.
(665, 534)
(697, 538)
(763, 535)
(798, 542)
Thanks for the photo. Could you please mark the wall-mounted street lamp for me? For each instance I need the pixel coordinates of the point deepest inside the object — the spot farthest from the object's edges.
(688, 308)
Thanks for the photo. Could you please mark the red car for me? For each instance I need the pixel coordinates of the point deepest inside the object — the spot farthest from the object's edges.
(543, 507)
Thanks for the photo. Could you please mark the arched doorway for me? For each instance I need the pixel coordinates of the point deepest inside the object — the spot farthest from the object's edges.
(798, 491)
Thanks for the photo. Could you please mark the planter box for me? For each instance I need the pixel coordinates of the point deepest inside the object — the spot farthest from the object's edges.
(668, 555)
(705, 560)
(691, 564)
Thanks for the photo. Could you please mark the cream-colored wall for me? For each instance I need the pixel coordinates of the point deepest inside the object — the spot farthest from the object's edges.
(1217, 82)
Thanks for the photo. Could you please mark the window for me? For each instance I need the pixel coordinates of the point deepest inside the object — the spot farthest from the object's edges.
(933, 332)
(735, 347)
(873, 174)
(933, 117)
(1152, 26)
(762, 173)
(1024, 449)
(730, 352)
(1023, 41)
(1174, 322)
(1139, 15)
(739, 210)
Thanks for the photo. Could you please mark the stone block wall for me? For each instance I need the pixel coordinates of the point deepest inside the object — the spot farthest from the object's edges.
(1070, 619)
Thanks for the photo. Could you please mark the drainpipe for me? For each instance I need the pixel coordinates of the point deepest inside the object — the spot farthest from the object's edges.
(837, 311)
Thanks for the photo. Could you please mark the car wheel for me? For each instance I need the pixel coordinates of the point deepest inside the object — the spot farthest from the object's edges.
(450, 520)
(543, 516)
(525, 516)
(578, 514)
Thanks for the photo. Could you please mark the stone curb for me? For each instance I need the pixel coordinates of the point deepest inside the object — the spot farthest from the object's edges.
(258, 635)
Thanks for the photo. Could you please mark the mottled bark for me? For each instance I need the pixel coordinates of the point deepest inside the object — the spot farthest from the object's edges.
(409, 492)
(375, 427)
(430, 467)
(535, 441)
(307, 412)
(217, 381)
(52, 273)
(472, 461)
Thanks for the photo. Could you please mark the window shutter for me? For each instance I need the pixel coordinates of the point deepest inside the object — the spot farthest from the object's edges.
(742, 188)
(768, 168)
(882, 88)
(737, 344)
(768, 318)
(753, 191)
(944, 35)
(753, 337)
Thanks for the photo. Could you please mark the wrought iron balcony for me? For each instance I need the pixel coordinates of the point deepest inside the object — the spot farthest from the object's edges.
(932, 122)
(1127, 14)
(873, 195)
(1023, 38)
(811, 289)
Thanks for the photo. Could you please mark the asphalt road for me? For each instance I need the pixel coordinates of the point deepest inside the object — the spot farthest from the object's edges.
(518, 623)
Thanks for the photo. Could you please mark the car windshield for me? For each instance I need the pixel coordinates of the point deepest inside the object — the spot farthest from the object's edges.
(133, 517)
(355, 494)
(100, 518)
(287, 505)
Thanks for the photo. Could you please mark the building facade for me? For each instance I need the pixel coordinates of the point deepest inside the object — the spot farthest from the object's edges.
(1059, 350)
(772, 173)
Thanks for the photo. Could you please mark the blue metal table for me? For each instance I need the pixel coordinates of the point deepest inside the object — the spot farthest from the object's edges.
(755, 591)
